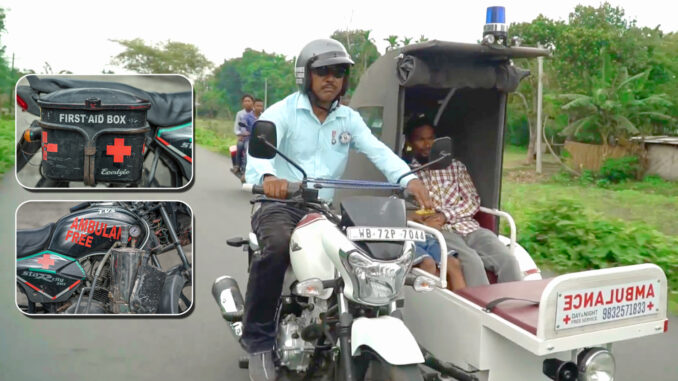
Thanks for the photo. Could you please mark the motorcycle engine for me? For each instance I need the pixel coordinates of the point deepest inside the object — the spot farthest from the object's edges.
(293, 351)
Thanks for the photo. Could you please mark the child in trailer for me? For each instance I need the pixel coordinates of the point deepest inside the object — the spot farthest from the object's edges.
(428, 256)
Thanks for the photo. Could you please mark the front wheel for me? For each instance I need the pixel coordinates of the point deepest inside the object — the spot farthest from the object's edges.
(382, 371)
(371, 367)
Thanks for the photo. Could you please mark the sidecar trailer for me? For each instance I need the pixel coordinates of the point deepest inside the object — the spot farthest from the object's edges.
(563, 321)
(462, 87)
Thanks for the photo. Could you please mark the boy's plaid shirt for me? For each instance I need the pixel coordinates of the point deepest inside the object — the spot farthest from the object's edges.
(453, 194)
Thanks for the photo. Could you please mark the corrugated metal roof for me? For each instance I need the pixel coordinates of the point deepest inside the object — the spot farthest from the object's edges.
(671, 140)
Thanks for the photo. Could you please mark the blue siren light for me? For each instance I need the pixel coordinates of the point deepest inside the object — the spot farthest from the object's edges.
(495, 15)
(495, 31)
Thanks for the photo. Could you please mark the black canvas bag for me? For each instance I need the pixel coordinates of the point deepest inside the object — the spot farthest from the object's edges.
(93, 135)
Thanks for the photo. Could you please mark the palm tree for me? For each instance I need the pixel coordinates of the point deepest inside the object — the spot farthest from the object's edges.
(421, 39)
(392, 42)
(614, 108)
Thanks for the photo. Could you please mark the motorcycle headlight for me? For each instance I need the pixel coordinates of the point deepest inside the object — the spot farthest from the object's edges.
(596, 364)
(378, 282)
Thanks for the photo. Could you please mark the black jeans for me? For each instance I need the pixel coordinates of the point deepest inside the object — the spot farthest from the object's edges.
(273, 224)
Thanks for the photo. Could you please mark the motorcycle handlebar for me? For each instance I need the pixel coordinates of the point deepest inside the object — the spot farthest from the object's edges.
(292, 189)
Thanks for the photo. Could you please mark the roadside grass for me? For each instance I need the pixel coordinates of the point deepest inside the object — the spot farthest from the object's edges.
(6, 144)
(215, 134)
(657, 209)
(649, 205)
(514, 156)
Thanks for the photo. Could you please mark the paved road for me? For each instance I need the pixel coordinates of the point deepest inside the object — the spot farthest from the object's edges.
(198, 346)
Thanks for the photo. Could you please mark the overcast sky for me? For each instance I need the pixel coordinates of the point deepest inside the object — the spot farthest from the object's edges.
(75, 35)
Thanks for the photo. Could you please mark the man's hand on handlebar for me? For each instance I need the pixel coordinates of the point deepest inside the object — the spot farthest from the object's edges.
(275, 187)
(420, 193)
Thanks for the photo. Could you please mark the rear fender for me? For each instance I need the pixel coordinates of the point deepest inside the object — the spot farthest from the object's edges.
(388, 337)
(528, 269)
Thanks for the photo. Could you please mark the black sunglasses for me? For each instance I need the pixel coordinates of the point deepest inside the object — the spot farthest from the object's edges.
(338, 71)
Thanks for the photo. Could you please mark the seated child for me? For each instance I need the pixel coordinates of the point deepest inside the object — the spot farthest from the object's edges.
(427, 257)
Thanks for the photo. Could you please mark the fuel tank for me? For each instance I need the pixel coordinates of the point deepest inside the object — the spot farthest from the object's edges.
(316, 246)
(95, 229)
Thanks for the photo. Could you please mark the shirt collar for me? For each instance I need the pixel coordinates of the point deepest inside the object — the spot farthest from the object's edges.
(304, 103)
(415, 164)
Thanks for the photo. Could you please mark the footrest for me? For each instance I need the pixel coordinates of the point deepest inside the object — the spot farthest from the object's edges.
(244, 362)
(236, 242)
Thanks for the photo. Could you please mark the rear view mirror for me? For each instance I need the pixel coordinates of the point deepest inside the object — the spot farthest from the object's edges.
(263, 140)
(441, 153)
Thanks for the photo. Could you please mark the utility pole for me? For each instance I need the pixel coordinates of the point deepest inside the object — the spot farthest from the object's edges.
(540, 61)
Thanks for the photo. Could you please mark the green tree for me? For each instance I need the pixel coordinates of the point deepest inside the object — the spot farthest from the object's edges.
(8, 75)
(362, 49)
(249, 74)
(392, 42)
(614, 108)
(574, 67)
(545, 32)
(168, 57)
(406, 41)
(211, 101)
(421, 39)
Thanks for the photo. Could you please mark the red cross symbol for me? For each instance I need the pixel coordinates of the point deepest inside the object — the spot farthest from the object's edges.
(567, 319)
(46, 261)
(119, 150)
(650, 306)
(47, 147)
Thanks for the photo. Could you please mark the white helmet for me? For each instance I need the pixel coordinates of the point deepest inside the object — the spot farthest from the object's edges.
(318, 53)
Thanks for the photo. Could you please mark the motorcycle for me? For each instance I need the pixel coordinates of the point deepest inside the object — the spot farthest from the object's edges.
(102, 258)
(168, 140)
(339, 314)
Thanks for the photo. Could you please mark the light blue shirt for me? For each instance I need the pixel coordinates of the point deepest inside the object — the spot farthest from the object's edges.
(321, 149)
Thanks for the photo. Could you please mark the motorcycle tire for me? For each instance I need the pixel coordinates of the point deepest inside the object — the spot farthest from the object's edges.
(372, 367)
(382, 371)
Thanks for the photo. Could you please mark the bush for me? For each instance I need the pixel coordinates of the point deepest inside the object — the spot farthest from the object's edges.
(517, 130)
(566, 238)
(6, 144)
(212, 140)
(621, 169)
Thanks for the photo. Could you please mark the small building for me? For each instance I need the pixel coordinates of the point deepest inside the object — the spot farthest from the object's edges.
(662, 155)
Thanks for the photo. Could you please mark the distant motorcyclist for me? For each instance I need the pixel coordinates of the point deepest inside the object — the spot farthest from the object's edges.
(315, 131)
(240, 128)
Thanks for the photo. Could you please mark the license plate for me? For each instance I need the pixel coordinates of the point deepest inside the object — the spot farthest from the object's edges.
(604, 304)
(363, 233)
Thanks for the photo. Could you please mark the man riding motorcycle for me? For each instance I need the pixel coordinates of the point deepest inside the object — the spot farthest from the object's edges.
(316, 131)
